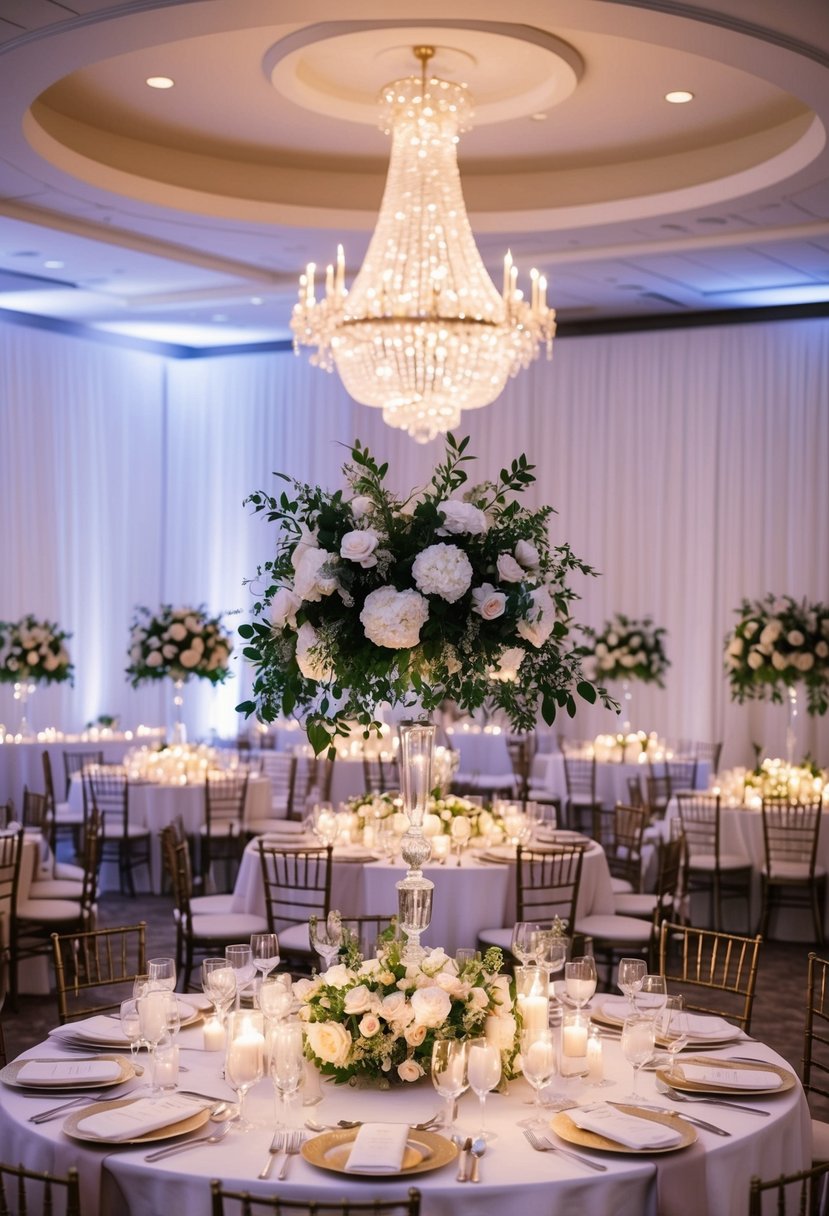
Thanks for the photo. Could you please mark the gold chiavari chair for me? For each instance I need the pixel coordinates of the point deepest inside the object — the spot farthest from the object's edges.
(716, 972)
(96, 970)
(35, 1193)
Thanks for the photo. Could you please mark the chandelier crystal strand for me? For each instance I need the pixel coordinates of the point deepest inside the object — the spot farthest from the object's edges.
(423, 333)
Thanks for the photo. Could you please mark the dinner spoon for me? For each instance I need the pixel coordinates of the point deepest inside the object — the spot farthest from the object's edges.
(477, 1151)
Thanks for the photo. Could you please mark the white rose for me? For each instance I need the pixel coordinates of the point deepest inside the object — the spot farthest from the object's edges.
(32, 658)
(177, 632)
(477, 998)
(338, 976)
(451, 984)
(431, 825)
(794, 637)
(540, 621)
(750, 628)
(771, 633)
(822, 650)
(330, 1042)
(284, 607)
(628, 660)
(459, 517)
(358, 1000)
(526, 555)
(307, 540)
(394, 618)
(189, 658)
(304, 989)
(779, 661)
(487, 602)
(311, 666)
(310, 583)
(359, 547)
(154, 658)
(193, 624)
(431, 1006)
(396, 1009)
(804, 662)
(499, 987)
(507, 664)
(369, 1025)
(612, 639)
(153, 643)
(169, 650)
(442, 570)
(414, 1035)
(360, 506)
(508, 569)
(51, 662)
(755, 660)
(409, 1070)
(197, 644)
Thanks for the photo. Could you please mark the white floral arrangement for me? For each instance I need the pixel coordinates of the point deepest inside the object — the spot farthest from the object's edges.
(776, 644)
(373, 598)
(628, 649)
(775, 778)
(378, 1018)
(34, 651)
(370, 808)
(446, 810)
(176, 643)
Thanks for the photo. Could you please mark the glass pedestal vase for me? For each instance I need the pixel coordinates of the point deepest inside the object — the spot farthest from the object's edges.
(791, 724)
(179, 729)
(627, 701)
(22, 692)
(414, 892)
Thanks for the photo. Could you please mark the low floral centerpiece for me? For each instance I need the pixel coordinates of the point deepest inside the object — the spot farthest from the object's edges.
(376, 1019)
(628, 649)
(778, 643)
(33, 651)
(373, 809)
(372, 597)
(176, 643)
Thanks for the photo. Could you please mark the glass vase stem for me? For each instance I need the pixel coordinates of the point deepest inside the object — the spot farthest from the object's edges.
(414, 892)
(791, 724)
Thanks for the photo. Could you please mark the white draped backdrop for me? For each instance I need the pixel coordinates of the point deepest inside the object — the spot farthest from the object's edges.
(689, 467)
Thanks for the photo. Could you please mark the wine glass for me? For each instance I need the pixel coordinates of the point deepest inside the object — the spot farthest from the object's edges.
(538, 1056)
(276, 997)
(219, 984)
(140, 985)
(153, 1012)
(239, 959)
(551, 952)
(286, 1064)
(326, 936)
(484, 1072)
(131, 1024)
(244, 1057)
(580, 979)
(161, 973)
(449, 1076)
(652, 995)
(460, 831)
(524, 942)
(264, 953)
(638, 1034)
(630, 977)
(674, 1029)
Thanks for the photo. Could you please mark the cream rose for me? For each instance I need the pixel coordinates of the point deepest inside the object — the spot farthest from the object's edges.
(415, 1035)
(526, 555)
(539, 622)
(311, 666)
(508, 569)
(338, 976)
(755, 660)
(330, 1042)
(358, 1000)
(794, 637)
(284, 607)
(487, 602)
(359, 546)
(154, 658)
(311, 583)
(177, 632)
(409, 1070)
(360, 506)
(369, 1025)
(431, 1006)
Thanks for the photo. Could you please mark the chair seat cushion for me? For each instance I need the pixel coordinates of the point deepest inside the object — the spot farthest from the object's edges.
(66, 815)
(620, 886)
(631, 904)
(211, 905)
(708, 862)
(225, 827)
(114, 830)
(794, 871)
(55, 888)
(615, 929)
(496, 937)
(64, 870)
(50, 910)
(234, 926)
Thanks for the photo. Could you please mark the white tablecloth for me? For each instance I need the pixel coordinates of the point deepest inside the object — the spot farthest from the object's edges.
(22, 764)
(712, 1177)
(611, 778)
(467, 898)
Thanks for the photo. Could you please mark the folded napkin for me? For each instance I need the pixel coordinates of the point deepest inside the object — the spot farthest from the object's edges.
(628, 1130)
(58, 1072)
(378, 1149)
(98, 1029)
(701, 1026)
(739, 1078)
(137, 1118)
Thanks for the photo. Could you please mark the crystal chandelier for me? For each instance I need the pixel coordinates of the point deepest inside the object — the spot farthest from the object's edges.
(423, 333)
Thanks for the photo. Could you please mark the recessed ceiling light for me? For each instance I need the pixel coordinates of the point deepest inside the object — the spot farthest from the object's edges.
(160, 82)
(679, 96)
(53, 265)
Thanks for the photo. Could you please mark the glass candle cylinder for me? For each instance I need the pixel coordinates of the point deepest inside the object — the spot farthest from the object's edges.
(575, 1030)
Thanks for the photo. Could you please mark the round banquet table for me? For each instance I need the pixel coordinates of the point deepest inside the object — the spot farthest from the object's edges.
(468, 898)
(611, 778)
(709, 1178)
(22, 763)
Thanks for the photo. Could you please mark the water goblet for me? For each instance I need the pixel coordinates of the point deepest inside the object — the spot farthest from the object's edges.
(652, 995)
(239, 959)
(674, 1029)
(638, 1035)
(286, 1064)
(326, 935)
(484, 1072)
(538, 1056)
(140, 985)
(152, 1020)
(161, 973)
(131, 1025)
(551, 952)
(524, 940)
(630, 977)
(460, 831)
(276, 997)
(449, 1076)
(264, 953)
(219, 984)
(580, 979)
(244, 1057)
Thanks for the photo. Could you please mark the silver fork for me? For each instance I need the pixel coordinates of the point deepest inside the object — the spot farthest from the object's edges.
(676, 1096)
(55, 1112)
(293, 1143)
(276, 1147)
(546, 1146)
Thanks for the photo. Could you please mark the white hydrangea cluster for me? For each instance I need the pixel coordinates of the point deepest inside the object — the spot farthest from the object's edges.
(443, 570)
(777, 643)
(394, 618)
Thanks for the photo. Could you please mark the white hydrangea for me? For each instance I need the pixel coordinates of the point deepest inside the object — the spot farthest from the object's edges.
(394, 618)
(310, 581)
(443, 570)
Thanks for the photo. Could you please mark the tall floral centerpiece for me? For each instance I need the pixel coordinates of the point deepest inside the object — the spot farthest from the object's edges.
(175, 644)
(777, 644)
(32, 652)
(628, 649)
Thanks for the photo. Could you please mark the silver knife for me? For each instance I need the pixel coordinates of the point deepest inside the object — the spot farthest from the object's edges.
(663, 1110)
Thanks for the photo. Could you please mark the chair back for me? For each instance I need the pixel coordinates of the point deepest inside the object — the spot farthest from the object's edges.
(77, 762)
(380, 774)
(281, 770)
(790, 836)
(699, 815)
(547, 883)
(635, 796)
(658, 788)
(624, 858)
(11, 852)
(816, 1036)
(224, 802)
(96, 970)
(297, 884)
(670, 872)
(803, 1192)
(366, 931)
(175, 856)
(682, 774)
(521, 750)
(245, 1204)
(6, 814)
(709, 753)
(580, 777)
(716, 972)
(108, 788)
(32, 1193)
(48, 780)
(36, 813)
(90, 860)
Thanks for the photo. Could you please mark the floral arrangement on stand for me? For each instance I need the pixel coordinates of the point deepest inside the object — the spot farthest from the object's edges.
(377, 1018)
(374, 598)
(33, 651)
(628, 649)
(176, 643)
(777, 643)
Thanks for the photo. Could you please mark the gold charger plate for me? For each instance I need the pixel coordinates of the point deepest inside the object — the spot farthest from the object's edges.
(180, 1128)
(8, 1075)
(704, 1087)
(424, 1151)
(564, 1127)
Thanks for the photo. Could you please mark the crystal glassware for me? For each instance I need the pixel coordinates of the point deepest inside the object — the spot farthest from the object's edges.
(161, 973)
(240, 960)
(264, 954)
(244, 1056)
(286, 1064)
(414, 892)
(673, 1028)
(449, 1075)
(580, 980)
(219, 984)
(131, 1024)
(524, 944)
(154, 1020)
(638, 1035)
(538, 1057)
(326, 936)
(652, 995)
(276, 997)
(630, 977)
(484, 1072)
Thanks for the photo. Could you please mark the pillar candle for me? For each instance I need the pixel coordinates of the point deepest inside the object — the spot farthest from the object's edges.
(214, 1035)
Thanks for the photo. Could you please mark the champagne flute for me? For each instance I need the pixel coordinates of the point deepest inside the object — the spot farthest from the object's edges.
(239, 959)
(674, 1029)
(326, 936)
(219, 984)
(538, 1055)
(484, 1072)
(580, 979)
(244, 1057)
(131, 1025)
(264, 953)
(638, 1035)
(450, 1077)
(286, 1064)
(524, 941)
(630, 977)
(161, 973)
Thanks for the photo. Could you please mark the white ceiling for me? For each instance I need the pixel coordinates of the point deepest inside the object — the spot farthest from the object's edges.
(186, 215)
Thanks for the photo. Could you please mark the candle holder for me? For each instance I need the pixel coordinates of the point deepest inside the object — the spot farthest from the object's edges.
(244, 1057)
(414, 892)
(575, 1032)
(22, 692)
(531, 998)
